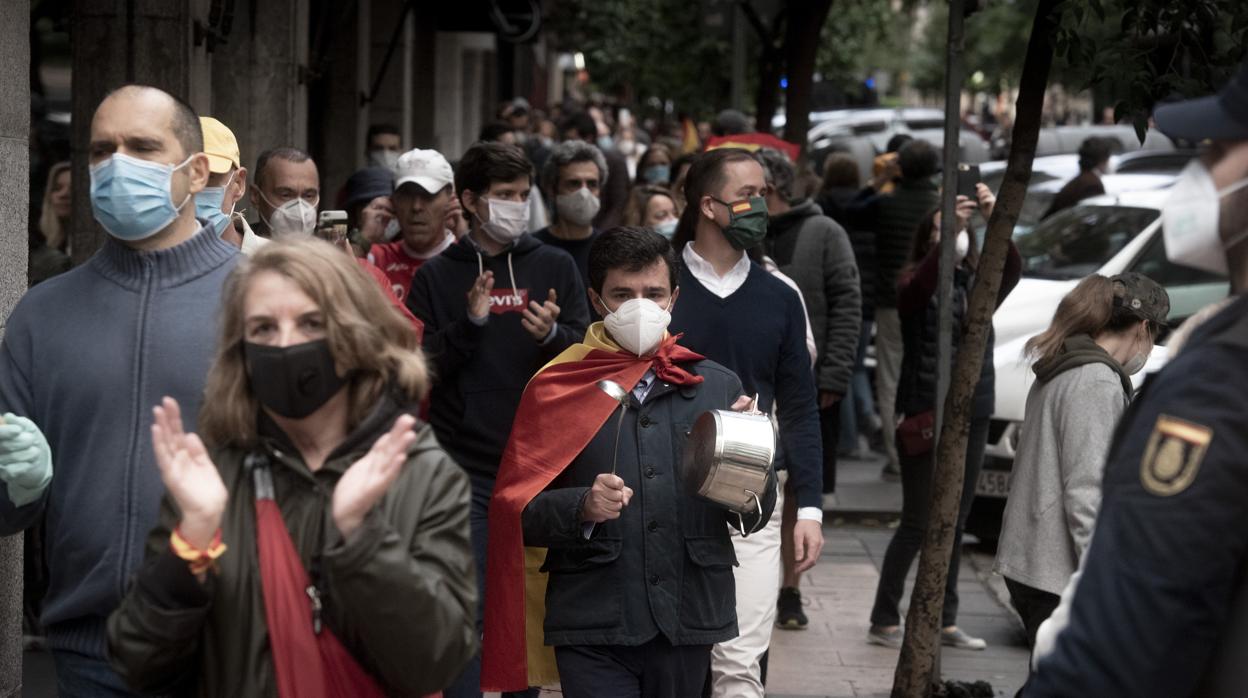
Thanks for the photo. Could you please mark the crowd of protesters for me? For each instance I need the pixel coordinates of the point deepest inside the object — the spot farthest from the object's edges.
(366, 454)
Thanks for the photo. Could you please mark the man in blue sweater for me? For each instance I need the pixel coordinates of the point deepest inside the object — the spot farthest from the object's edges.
(736, 314)
(86, 356)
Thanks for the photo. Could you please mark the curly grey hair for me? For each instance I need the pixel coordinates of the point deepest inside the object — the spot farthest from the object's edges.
(566, 153)
(779, 171)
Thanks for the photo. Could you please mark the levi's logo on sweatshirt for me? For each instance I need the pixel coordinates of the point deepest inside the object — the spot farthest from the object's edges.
(505, 300)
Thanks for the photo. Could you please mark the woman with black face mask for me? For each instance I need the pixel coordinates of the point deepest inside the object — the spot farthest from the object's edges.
(315, 542)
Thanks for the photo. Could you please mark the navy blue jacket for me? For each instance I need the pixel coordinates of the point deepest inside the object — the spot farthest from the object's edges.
(759, 333)
(664, 566)
(479, 371)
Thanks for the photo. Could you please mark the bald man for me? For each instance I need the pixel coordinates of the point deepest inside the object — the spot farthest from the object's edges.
(85, 357)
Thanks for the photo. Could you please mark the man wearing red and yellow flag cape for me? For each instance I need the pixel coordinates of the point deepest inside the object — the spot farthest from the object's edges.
(638, 572)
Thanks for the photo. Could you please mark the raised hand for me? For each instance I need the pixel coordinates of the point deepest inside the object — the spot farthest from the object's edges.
(25, 459)
(479, 295)
(964, 208)
(538, 319)
(364, 483)
(189, 475)
(455, 221)
(606, 499)
(987, 200)
(375, 217)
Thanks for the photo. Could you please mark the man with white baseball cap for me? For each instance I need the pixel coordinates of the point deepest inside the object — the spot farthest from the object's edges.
(425, 211)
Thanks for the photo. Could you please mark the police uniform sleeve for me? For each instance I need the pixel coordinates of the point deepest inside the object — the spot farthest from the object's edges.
(1170, 540)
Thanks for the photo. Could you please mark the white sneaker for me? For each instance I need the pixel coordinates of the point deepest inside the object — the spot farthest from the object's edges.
(958, 638)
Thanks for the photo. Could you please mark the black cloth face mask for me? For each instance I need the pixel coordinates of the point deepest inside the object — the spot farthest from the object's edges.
(292, 381)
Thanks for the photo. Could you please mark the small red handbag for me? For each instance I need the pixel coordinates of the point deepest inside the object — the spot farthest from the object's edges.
(916, 434)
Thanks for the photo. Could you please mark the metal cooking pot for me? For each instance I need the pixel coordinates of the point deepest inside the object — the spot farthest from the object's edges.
(727, 458)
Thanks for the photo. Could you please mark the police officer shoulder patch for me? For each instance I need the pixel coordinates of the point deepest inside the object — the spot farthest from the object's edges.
(1173, 456)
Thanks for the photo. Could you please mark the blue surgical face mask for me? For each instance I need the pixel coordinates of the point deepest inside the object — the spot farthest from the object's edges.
(667, 228)
(208, 204)
(132, 198)
(605, 142)
(656, 174)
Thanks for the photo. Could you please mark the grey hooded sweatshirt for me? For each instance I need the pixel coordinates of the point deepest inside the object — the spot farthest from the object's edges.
(1071, 413)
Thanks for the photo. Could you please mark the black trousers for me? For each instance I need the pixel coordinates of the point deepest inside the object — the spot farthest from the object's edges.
(656, 669)
(916, 495)
(1033, 605)
(830, 431)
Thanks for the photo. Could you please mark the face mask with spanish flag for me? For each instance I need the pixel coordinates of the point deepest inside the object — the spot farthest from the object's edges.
(747, 222)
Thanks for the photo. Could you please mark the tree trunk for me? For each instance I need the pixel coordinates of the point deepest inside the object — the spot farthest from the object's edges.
(913, 678)
(801, 41)
(770, 70)
(770, 63)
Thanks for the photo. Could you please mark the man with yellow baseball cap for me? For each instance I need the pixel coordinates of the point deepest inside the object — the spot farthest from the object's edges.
(227, 182)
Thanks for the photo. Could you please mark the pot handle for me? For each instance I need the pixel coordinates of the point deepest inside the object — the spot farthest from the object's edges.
(758, 506)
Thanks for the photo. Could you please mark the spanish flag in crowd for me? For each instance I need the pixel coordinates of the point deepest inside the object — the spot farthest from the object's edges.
(690, 143)
(561, 411)
(754, 141)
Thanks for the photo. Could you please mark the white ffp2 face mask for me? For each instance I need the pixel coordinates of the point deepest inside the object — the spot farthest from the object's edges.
(1190, 220)
(295, 217)
(508, 220)
(638, 325)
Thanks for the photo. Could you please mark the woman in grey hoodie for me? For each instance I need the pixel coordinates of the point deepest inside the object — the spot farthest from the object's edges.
(1102, 333)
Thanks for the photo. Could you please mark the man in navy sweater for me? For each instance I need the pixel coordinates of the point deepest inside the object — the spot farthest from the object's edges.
(497, 305)
(736, 314)
(86, 356)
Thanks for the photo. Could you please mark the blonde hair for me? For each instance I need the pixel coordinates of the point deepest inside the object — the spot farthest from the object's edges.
(372, 344)
(1088, 309)
(51, 227)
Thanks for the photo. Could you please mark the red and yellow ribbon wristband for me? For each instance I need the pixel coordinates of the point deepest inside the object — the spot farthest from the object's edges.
(200, 560)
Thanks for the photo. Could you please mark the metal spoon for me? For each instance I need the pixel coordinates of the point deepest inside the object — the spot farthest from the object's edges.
(620, 395)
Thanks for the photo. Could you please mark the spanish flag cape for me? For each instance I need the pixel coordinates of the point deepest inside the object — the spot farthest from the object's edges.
(561, 411)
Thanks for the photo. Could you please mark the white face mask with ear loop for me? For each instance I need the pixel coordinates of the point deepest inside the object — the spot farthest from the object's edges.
(1190, 220)
(1137, 361)
(508, 220)
(638, 325)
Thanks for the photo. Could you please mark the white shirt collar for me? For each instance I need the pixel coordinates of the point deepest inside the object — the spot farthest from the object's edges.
(447, 240)
(704, 272)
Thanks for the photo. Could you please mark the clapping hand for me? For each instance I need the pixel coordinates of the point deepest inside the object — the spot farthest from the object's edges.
(364, 483)
(479, 295)
(538, 319)
(25, 459)
(189, 475)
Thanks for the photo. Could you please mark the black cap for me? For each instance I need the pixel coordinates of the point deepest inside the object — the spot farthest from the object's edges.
(1141, 295)
(368, 184)
(1220, 117)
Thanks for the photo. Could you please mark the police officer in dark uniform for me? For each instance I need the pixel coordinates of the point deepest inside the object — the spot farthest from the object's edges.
(1161, 607)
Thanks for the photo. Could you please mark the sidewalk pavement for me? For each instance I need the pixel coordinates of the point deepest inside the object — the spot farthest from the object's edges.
(831, 657)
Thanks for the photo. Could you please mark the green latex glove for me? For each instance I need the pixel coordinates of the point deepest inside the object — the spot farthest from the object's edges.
(25, 460)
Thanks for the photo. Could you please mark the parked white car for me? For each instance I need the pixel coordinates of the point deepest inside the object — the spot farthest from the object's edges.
(1107, 235)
